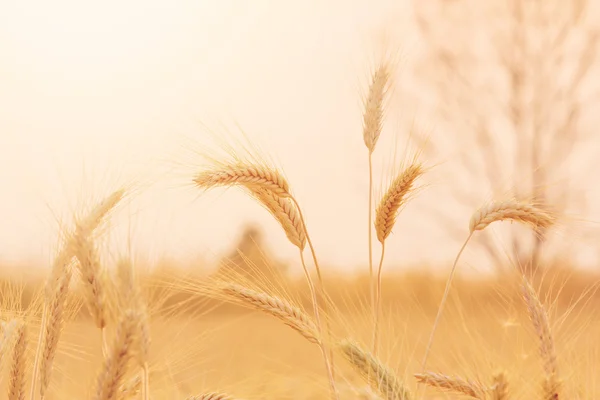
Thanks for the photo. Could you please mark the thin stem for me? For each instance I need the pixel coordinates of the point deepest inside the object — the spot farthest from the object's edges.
(378, 303)
(326, 358)
(322, 291)
(443, 302)
(371, 280)
(38, 352)
(145, 383)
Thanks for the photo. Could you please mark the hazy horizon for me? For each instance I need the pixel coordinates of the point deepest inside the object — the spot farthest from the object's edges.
(99, 96)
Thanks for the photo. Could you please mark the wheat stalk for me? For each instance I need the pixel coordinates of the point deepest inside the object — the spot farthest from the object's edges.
(385, 218)
(286, 213)
(16, 389)
(87, 225)
(256, 177)
(122, 350)
(53, 329)
(375, 372)
(452, 384)
(506, 210)
(290, 315)
(539, 319)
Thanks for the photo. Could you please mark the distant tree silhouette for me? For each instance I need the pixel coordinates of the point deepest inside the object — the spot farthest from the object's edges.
(251, 258)
(514, 82)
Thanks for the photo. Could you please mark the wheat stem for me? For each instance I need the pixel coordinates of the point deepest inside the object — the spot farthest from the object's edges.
(443, 302)
(326, 357)
(378, 302)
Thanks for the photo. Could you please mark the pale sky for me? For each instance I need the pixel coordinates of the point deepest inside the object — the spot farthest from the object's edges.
(94, 95)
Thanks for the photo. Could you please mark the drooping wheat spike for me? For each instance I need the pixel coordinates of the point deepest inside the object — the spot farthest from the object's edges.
(286, 213)
(499, 389)
(251, 176)
(541, 325)
(211, 396)
(52, 329)
(121, 351)
(16, 389)
(452, 384)
(375, 372)
(507, 210)
(511, 210)
(394, 198)
(374, 105)
(290, 315)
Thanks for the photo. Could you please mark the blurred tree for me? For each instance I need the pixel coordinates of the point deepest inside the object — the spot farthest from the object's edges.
(251, 258)
(517, 83)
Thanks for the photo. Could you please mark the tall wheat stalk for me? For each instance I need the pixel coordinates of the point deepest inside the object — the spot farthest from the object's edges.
(272, 190)
(525, 213)
(121, 351)
(385, 219)
(373, 116)
(541, 324)
(56, 289)
(16, 388)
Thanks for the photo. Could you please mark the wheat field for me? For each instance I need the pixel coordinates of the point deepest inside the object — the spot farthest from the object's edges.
(108, 332)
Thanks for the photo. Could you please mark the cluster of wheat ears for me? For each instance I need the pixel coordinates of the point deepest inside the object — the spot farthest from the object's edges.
(127, 346)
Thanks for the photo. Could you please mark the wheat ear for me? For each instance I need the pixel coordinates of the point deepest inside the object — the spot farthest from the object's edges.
(8, 329)
(385, 219)
(89, 224)
(290, 315)
(375, 372)
(511, 210)
(499, 389)
(211, 396)
(252, 176)
(286, 213)
(16, 389)
(53, 329)
(452, 384)
(374, 105)
(507, 210)
(539, 319)
(132, 297)
(122, 350)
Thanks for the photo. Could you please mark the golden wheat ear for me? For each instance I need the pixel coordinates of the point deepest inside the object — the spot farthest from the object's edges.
(376, 374)
(16, 388)
(453, 384)
(290, 315)
(212, 396)
(117, 360)
(541, 324)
